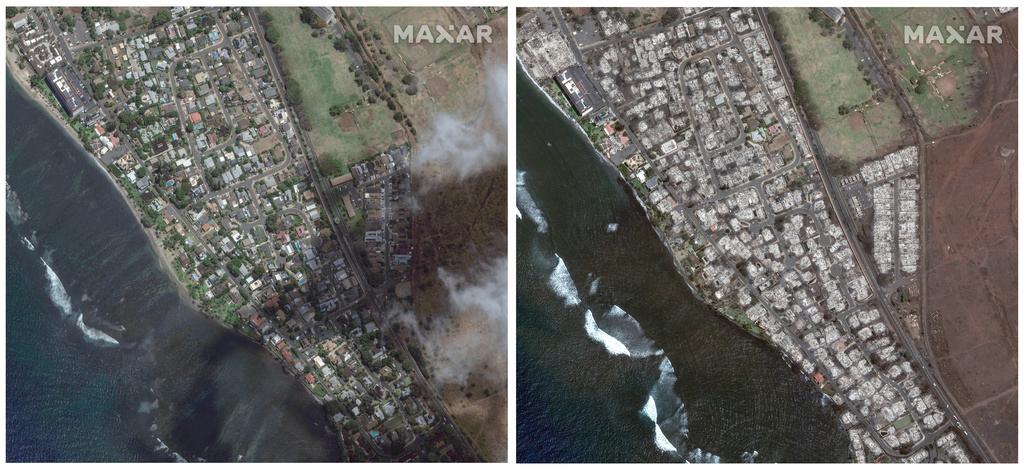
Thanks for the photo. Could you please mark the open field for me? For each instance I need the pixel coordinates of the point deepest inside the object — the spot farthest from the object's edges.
(970, 259)
(459, 226)
(971, 273)
(949, 74)
(324, 80)
(828, 71)
(449, 77)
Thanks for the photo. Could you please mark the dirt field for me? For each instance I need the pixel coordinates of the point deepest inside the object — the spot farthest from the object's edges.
(449, 77)
(460, 225)
(457, 227)
(971, 260)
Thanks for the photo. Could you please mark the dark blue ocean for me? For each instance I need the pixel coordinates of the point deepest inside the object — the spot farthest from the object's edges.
(617, 361)
(105, 362)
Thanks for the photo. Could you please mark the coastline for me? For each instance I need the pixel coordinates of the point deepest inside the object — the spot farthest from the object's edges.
(680, 268)
(22, 79)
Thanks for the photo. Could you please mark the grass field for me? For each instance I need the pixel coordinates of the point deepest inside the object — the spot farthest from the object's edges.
(829, 73)
(323, 77)
(448, 75)
(949, 71)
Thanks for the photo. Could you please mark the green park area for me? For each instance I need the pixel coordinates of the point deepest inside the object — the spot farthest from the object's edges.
(852, 120)
(343, 125)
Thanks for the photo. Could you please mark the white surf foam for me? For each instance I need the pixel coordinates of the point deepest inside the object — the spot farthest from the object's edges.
(146, 407)
(162, 447)
(612, 227)
(627, 330)
(612, 344)
(14, 210)
(95, 334)
(700, 456)
(58, 294)
(525, 202)
(561, 283)
(27, 243)
(593, 286)
(660, 440)
(60, 298)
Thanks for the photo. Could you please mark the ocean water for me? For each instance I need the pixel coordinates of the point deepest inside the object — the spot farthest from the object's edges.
(105, 362)
(617, 361)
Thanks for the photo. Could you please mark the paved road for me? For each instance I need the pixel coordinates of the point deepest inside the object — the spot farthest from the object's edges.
(891, 319)
(377, 309)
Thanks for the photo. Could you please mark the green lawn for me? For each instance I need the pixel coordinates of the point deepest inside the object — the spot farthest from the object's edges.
(323, 76)
(829, 73)
(954, 67)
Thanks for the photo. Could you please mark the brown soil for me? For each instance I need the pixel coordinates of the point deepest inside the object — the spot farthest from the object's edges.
(970, 192)
(347, 122)
(457, 226)
(437, 86)
(946, 85)
(856, 121)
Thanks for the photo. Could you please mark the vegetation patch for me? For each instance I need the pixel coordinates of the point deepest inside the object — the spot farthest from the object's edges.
(941, 81)
(320, 80)
(854, 121)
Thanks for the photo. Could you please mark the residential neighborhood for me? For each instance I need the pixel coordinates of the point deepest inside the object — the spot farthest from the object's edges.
(186, 109)
(696, 111)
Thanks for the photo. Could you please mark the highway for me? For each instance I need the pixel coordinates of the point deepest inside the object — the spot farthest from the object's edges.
(891, 319)
(376, 307)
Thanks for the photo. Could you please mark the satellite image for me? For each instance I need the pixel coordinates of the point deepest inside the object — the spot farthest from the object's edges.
(766, 235)
(256, 234)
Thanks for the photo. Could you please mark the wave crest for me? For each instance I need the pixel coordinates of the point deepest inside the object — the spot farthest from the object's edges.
(60, 298)
(526, 202)
(561, 283)
(612, 344)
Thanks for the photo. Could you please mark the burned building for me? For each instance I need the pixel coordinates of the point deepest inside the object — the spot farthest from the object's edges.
(580, 91)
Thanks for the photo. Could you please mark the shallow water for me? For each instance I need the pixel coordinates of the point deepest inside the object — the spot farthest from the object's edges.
(105, 362)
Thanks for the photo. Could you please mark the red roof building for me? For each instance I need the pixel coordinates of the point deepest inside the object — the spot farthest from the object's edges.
(309, 378)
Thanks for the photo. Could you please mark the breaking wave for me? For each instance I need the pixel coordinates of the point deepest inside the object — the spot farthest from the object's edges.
(525, 202)
(665, 409)
(660, 440)
(561, 283)
(94, 333)
(58, 294)
(612, 344)
(626, 329)
(162, 447)
(700, 456)
(621, 334)
(59, 297)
